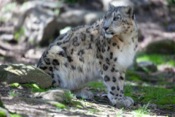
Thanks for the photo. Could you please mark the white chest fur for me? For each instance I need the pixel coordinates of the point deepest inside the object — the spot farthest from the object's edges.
(125, 55)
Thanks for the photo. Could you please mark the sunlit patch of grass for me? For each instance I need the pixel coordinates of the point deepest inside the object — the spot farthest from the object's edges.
(157, 59)
(60, 105)
(142, 111)
(15, 85)
(15, 115)
(32, 86)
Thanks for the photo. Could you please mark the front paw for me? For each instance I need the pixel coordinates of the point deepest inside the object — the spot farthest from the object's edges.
(126, 102)
(84, 94)
(122, 102)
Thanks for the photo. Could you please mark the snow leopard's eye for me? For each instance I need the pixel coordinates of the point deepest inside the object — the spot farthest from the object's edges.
(117, 17)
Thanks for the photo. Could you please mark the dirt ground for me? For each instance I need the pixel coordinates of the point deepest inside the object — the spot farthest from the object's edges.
(21, 101)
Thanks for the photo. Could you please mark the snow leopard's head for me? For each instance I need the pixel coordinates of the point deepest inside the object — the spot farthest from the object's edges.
(118, 20)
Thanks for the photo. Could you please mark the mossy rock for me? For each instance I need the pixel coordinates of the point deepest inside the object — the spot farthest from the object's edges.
(161, 47)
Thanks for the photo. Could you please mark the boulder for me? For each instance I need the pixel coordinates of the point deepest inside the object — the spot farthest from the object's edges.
(20, 73)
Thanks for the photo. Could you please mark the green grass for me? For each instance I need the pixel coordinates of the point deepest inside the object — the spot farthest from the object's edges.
(157, 59)
(144, 94)
(156, 95)
(69, 100)
(97, 86)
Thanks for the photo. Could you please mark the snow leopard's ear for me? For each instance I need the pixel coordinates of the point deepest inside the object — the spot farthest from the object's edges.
(130, 11)
(111, 7)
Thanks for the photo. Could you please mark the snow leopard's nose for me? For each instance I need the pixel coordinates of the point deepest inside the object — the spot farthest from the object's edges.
(105, 28)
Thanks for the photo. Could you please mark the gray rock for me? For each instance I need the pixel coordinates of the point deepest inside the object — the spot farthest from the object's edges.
(52, 95)
(20, 73)
(146, 66)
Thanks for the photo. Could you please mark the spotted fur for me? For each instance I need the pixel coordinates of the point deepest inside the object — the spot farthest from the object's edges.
(105, 48)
